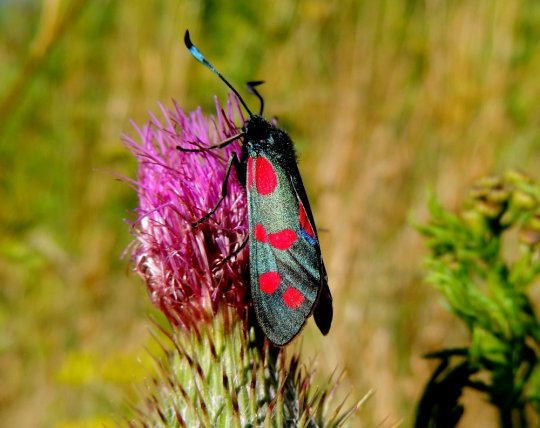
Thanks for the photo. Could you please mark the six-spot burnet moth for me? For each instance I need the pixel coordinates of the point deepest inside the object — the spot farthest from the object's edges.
(288, 277)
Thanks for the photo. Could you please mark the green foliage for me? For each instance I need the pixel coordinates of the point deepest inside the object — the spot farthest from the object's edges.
(484, 261)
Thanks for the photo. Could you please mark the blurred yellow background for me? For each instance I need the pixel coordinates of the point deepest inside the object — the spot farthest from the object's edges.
(385, 100)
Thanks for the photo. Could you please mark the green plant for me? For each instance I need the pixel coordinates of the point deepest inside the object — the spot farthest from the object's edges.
(217, 372)
(484, 260)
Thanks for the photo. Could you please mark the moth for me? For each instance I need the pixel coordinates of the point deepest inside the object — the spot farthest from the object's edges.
(287, 274)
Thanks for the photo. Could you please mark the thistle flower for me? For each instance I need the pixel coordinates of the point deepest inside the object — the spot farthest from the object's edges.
(184, 266)
(215, 372)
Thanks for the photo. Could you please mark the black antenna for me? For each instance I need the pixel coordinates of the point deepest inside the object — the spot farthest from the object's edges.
(251, 87)
(200, 57)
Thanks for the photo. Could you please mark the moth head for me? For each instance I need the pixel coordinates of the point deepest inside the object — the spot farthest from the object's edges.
(257, 128)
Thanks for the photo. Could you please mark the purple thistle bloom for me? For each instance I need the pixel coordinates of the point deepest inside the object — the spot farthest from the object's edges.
(183, 266)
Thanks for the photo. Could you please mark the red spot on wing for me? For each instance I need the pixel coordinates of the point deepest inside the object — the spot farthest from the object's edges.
(304, 222)
(293, 298)
(250, 173)
(269, 282)
(283, 239)
(259, 232)
(265, 176)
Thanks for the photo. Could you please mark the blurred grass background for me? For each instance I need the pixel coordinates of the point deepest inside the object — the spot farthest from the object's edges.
(385, 100)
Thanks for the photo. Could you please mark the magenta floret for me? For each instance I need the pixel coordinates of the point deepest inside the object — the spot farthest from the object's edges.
(182, 265)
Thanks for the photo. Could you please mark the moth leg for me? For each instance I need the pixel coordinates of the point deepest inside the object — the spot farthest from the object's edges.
(237, 251)
(233, 161)
(224, 143)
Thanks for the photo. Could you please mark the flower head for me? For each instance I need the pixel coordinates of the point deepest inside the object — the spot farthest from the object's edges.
(189, 270)
(186, 266)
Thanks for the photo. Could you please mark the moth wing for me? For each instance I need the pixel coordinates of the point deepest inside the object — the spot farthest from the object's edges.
(279, 322)
(286, 282)
(323, 312)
